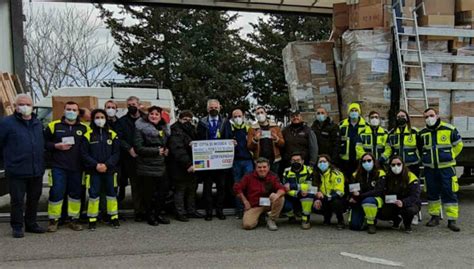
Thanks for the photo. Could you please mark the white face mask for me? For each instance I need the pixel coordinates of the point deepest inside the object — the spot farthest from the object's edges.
(25, 110)
(100, 122)
(261, 117)
(375, 122)
(430, 121)
(397, 169)
(111, 112)
(238, 120)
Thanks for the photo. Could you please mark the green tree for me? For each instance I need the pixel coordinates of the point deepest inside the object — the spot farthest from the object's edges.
(265, 45)
(193, 52)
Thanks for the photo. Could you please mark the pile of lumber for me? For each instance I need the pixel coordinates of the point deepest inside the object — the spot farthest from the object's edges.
(10, 86)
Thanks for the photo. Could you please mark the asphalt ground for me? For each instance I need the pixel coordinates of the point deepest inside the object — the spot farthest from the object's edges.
(223, 244)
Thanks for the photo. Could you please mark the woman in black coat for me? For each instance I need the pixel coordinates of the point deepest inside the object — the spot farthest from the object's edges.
(150, 140)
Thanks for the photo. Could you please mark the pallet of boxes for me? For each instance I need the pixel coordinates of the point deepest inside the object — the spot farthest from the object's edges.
(361, 30)
(10, 86)
(310, 74)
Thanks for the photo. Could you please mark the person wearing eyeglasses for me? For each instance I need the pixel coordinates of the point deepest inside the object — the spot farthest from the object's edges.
(364, 196)
(441, 145)
(374, 140)
(404, 141)
(401, 191)
(350, 130)
(328, 200)
(327, 134)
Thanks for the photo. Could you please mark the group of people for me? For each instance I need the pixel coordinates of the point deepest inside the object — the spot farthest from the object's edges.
(295, 171)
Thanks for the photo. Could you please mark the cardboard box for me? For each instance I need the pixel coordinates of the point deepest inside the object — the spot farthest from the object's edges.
(438, 7)
(340, 17)
(369, 14)
(90, 102)
(464, 72)
(440, 21)
(464, 5)
(433, 72)
(464, 17)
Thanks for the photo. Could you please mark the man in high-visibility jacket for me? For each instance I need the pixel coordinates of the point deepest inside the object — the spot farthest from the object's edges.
(63, 139)
(374, 140)
(441, 144)
(294, 179)
(350, 130)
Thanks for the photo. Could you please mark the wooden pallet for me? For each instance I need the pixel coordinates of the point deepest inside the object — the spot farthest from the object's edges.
(10, 86)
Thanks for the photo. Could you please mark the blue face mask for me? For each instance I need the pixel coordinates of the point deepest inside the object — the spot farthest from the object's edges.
(321, 117)
(354, 115)
(323, 166)
(70, 115)
(368, 166)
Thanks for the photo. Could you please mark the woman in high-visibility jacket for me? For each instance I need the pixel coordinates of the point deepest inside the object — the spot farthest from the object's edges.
(364, 197)
(401, 190)
(329, 198)
(405, 142)
(100, 153)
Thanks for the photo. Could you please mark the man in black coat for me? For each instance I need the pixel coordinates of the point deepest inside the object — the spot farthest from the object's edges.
(182, 169)
(125, 129)
(327, 133)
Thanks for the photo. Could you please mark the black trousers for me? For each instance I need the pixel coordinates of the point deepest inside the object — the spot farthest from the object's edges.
(154, 193)
(185, 195)
(391, 212)
(218, 177)
(32, 187)
(330, 207)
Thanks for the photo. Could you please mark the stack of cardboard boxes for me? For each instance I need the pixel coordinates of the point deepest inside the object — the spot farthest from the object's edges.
(309, 72)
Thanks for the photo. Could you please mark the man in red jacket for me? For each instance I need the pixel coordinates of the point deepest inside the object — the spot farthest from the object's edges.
(260, 191)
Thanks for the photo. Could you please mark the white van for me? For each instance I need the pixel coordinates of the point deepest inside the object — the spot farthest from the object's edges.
(158, 97)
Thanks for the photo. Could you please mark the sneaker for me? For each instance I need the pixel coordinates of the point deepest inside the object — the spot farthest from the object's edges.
(92, 226)
(35, 228)
(115, 223)
(305, 225)
(408, 230)
(181, 218)
(452, 226)
(271, 225)
(162, 219)
(53, 226)
(75, 225)
(239, 214)
(17, 233)
(371, 229)
(340, 226)
(434, 221)
(195, 215)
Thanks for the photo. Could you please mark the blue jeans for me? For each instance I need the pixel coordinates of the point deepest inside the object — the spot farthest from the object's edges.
(239, 169)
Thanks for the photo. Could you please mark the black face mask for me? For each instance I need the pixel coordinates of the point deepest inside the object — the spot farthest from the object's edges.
(296, 166)
(401, 121)
(132, 110)
(213, 112)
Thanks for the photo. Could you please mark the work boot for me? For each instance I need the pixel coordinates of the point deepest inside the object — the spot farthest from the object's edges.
(208, 216)
(434, 221)
(408, 229)
(340, 226)
(115, 223)
(92, 225)
(181, 217)
(292, 220)
(53, 226)
(17, 233)
(239, 214)
(152, 220)
(452, 226)
(220, 215)
(271, 225)
(371, 229)
(35, 228)
(139, 217)
(162, 219)
(396, 223)
(75, 225)
(195, 215)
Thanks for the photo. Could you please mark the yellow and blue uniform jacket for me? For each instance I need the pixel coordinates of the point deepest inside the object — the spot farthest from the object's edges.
(375, 142)
(348, 142)
(331, 183)
(405, 144)
(298, 181)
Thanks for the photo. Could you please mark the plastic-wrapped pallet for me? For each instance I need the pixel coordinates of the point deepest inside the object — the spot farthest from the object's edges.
(309, 72)
(367, 70)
